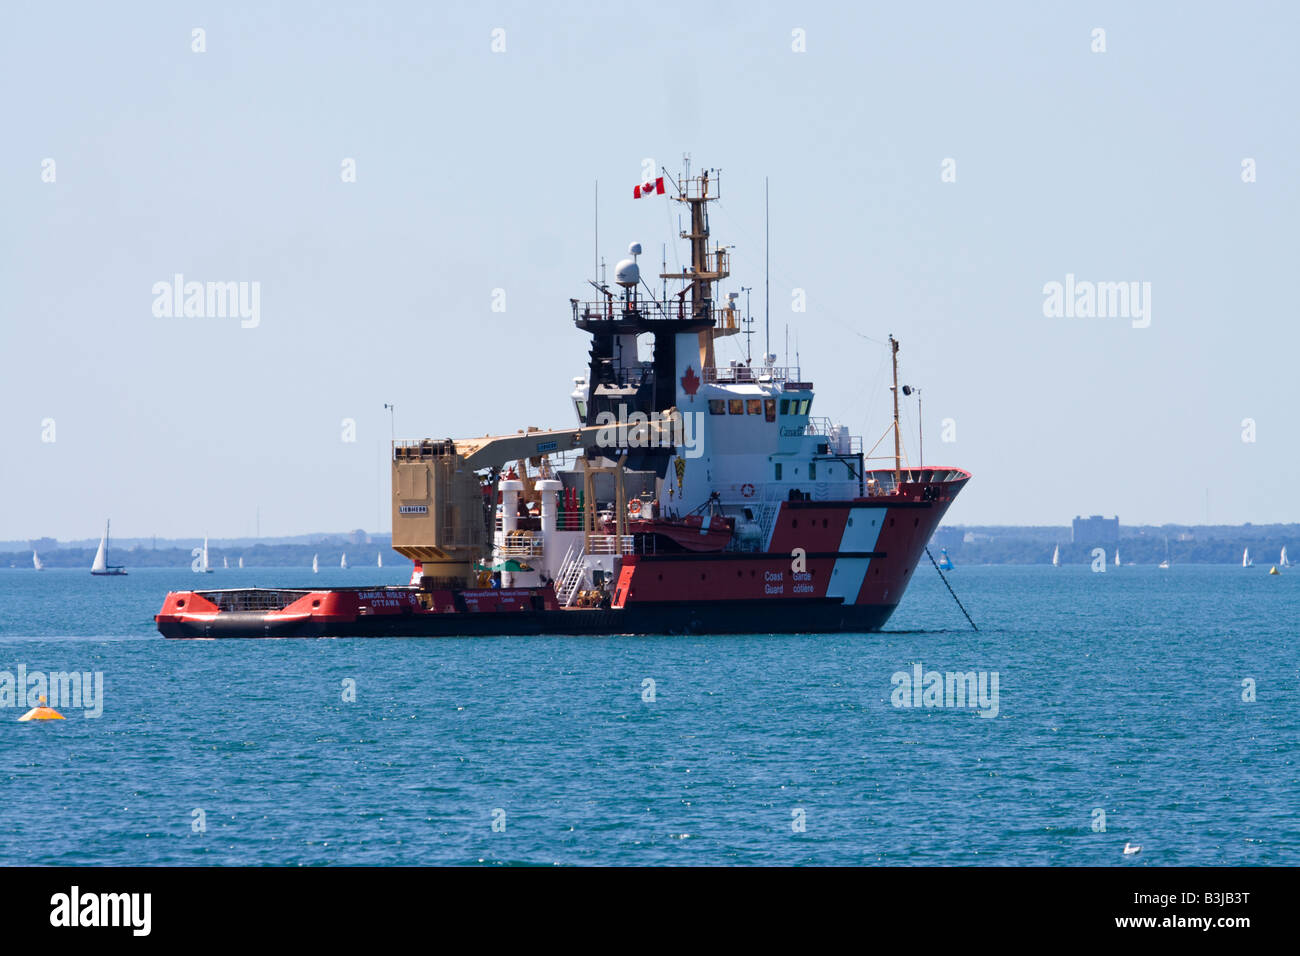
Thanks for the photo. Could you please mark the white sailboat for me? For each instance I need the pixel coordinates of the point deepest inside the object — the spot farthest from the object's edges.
(1165, 563)
(205, 567)
(315, 564)
(1056, 557)
(39, 566)
(380, 562)
(241, 562)
(225, 563)
(344, 562)
(1246, 561)
(1117, 557)
(1282, 562)
(101, 566)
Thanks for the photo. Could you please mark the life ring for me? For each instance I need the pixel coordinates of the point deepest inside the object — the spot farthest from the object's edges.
(747, 490)
(634, 507)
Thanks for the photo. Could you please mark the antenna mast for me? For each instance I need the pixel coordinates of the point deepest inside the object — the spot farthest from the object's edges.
(767, 295)
(749, 326)
(898, 452)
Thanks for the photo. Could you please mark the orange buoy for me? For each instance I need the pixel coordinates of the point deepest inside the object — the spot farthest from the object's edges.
(42, 713)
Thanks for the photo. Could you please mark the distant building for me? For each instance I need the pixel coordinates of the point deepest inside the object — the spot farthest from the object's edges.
(359, 536)
(1095, 531)
(948, 537)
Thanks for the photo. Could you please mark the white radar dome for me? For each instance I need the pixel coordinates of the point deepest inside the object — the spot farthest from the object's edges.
(627, 273)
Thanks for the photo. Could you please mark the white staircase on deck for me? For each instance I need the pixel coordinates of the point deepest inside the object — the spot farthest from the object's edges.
(569, 578)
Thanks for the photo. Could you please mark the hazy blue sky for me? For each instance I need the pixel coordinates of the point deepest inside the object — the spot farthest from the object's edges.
(475, 172)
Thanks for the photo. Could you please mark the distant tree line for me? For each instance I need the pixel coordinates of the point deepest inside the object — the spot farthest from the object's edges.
(255, 556)
(1147, 545)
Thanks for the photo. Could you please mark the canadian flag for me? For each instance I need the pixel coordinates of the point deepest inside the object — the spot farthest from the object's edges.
(645, 189)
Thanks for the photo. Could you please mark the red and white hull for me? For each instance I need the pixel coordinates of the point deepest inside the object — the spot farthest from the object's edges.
(830, 566)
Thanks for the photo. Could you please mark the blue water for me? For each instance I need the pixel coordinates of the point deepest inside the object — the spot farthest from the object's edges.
(1120, 691)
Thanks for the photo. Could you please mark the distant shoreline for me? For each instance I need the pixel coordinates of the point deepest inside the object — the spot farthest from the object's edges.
(965, 544)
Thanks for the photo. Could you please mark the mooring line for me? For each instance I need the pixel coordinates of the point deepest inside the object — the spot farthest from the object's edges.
(947, 585)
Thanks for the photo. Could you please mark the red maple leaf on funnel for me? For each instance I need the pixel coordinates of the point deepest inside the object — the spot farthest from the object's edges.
(690, 382)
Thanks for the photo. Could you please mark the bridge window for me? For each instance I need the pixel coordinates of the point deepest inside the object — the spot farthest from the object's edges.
(785, 406)
(778, 471)
(803, 406)
(717, 406)
(754, 406)
(769, 409)
(736, 406)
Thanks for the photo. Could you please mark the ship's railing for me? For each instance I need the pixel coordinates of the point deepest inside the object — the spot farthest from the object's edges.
(636, 375)
(423, 448)
(880, 481)
(612, 544)
(619, 310)
(740, 374)
(822, 426)
(564, 521)
(521, 546)
(253, 599)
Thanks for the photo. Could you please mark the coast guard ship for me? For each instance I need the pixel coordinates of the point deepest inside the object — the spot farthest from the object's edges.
(686, 497)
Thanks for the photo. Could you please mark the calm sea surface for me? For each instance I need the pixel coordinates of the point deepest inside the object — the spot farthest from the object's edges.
(1119, 692)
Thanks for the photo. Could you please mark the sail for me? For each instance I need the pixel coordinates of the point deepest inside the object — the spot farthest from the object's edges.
(1245, 558)
(315, 564)
(225, 563)
(36, 560)
(206, 566)
(1117, 557)
(1056, 557)
(101, 556)
(343, 563)
(380, 563)
(241, 562)
(1283, 559)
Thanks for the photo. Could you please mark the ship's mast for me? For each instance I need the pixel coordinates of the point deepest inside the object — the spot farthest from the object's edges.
(898, 452)
(706, 267)
(695, 193)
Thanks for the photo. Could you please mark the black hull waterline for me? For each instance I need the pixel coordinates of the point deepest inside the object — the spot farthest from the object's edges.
(721, 617)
